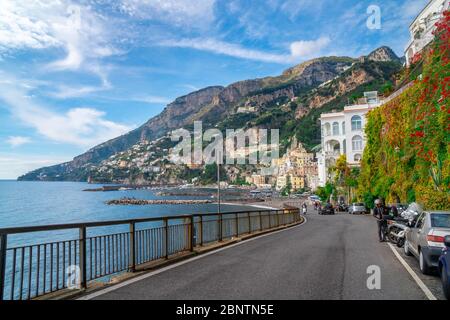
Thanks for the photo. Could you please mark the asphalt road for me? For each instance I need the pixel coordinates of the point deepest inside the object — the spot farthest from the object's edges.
(325, 258)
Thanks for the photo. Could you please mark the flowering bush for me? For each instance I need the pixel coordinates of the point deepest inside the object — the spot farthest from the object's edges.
(410, 135)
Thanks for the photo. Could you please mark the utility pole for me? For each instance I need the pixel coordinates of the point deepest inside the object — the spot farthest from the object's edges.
(219, 160)
(218, 182)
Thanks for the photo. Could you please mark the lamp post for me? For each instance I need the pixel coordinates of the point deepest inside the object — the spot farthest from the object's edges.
(218, 161)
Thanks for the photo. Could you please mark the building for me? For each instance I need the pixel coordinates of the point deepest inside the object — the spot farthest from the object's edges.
(282, 181)
(343, 134)
(297, 166)
(256, 180)
(421, 29)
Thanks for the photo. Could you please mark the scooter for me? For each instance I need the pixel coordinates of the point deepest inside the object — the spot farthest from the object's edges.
(396, 230)
(304, 210)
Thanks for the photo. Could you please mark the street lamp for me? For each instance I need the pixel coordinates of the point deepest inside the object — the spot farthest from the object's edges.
(218, 161)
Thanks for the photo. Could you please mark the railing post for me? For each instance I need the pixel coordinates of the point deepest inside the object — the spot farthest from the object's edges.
(3, 247)
(220, 228)
(132, 247)
(192, 231)
(83, 276)
(278, 218)
(260, 222)
(201, 231)
(270, 220)
(249, 223)
(237, 225)
(166, 238)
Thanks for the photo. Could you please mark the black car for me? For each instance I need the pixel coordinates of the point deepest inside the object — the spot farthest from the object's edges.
(327, 210)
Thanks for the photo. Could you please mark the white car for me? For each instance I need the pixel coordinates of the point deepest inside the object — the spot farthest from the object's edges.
(426, 236)
(357, 208)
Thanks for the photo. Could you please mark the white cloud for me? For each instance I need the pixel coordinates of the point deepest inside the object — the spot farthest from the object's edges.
(16, 141)
(85, 127)
(309, 48)
(18, 29)
(152, 99)
(178, 13)
(40, 24)
(299, 50)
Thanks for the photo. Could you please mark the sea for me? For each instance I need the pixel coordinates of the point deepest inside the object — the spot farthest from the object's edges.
(24, 203)
(29, 272)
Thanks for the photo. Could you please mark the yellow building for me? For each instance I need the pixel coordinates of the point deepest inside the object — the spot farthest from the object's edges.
(297, 183)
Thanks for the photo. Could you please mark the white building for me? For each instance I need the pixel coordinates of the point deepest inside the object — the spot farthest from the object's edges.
(343, 133)
(421, 29)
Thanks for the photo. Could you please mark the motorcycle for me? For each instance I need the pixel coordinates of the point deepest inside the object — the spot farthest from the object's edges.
(342, 207)
(304, 210)
(396, 230)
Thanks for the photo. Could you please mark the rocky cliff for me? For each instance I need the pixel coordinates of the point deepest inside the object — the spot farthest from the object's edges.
(298, 90)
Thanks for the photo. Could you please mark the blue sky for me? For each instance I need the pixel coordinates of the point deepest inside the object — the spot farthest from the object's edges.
(76, 73)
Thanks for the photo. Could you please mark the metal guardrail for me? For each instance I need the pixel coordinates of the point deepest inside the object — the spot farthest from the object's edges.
(31, 271)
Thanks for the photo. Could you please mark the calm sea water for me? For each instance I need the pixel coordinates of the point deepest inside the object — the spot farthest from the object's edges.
(43, 203)
(47, 203)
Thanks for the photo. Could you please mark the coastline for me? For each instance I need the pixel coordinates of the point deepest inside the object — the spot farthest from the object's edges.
(248, 205)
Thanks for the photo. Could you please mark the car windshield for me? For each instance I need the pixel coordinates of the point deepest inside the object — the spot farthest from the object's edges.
(440, 220)
(358, 204)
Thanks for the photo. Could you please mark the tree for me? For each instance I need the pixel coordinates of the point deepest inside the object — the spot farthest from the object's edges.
(325, 192)
(287, 190)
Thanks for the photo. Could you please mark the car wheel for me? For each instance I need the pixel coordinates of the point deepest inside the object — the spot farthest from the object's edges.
(445, 283)
(423, 264)
(406, 249)
(400, 242)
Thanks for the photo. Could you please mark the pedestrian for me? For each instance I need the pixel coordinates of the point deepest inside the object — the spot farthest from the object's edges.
(378, 213)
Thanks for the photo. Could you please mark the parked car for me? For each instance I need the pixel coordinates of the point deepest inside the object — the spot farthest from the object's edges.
(358, 208)
(444, 267)
(425, 238)
(327, 210)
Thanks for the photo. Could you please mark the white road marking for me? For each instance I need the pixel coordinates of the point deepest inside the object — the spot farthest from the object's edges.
(154, 273)
(416, 278)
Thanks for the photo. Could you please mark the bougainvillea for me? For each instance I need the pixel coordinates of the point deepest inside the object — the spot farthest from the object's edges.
(408, 138)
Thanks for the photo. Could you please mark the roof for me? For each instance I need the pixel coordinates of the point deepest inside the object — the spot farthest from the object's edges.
(425, 8)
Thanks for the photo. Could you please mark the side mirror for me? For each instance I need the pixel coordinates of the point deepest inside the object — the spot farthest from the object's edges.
(447, 241)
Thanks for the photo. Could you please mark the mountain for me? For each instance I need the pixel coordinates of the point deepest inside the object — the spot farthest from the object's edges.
(290, 101)
(384, 54)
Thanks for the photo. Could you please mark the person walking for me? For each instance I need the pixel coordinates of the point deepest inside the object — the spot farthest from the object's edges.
(378, 213)
(304, 208)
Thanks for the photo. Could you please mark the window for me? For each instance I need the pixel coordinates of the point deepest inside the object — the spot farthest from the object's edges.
(420, 221)
(356, 123)
(327, 130)
(335, 129)
(357, 158)
(440, 220)
(343, 127)
(357, 143)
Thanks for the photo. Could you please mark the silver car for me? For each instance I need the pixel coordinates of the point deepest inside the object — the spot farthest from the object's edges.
(357, 208)
(425, 238)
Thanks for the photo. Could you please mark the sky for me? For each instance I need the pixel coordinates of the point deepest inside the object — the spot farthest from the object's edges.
(74, 74)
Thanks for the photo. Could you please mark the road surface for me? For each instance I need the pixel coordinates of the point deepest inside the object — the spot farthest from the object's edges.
(325, 258)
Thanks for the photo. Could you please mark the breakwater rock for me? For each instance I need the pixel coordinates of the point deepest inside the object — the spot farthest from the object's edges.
(140, 202)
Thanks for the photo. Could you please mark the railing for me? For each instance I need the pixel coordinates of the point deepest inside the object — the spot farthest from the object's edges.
(34, 270)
